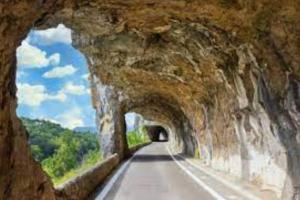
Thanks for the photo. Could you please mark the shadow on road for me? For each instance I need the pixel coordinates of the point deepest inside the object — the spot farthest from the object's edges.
(153, 158)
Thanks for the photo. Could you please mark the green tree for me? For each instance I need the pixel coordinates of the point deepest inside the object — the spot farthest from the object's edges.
(37, 152)
(65, 158)
(62, 152)
(137, 136)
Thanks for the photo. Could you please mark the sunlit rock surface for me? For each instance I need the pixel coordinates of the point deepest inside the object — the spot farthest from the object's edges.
(222, 76)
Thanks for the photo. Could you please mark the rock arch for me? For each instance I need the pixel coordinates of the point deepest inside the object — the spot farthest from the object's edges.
(231, 69)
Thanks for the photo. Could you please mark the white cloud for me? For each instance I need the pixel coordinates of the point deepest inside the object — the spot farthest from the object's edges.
(21, 74)
(130, 119)
(71, 88)
(71, 119)
(59, 72)
(85, 76)
(34, 95)
(54, 59)
(88, 91)
(60, 34)
(60, 96)
(29, 56)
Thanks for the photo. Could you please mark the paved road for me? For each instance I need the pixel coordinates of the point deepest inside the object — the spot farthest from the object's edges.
(152, 174)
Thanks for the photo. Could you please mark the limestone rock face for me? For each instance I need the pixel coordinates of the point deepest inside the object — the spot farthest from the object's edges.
(20, 176)
(138, 121)
(222, 76)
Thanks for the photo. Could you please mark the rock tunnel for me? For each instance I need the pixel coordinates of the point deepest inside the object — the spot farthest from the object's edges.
(157, 133)
(221, 76)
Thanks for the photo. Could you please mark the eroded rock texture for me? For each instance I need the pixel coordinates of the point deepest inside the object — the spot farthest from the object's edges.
(222, 76)
(157, 133)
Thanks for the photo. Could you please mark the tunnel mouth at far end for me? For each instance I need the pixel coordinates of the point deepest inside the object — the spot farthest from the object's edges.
(157, 133)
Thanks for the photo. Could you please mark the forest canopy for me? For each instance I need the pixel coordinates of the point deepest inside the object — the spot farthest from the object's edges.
(64, 153)
(60, 150)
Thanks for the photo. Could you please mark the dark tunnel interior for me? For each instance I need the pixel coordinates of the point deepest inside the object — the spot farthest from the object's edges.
(157, 134)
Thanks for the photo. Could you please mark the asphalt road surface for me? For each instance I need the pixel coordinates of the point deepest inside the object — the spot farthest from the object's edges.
(153, 174)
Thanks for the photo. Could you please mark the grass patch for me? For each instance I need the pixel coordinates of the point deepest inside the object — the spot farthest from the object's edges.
(90, 160)
(136, 137)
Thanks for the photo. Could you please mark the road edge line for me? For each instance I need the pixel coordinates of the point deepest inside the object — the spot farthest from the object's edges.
(107, 188)
(196, 179)
(236, 188)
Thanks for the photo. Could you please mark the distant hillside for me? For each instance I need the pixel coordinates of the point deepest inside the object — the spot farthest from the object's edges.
(38, 126)
(45, 137)
(42, 134)
(58, 149)
(90, 129)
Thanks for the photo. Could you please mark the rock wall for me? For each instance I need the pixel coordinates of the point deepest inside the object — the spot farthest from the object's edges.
(110, 119)
(257, 135)
(138, 121)
(20, 176)
(82, 186)
(222, 92)
(222, 76)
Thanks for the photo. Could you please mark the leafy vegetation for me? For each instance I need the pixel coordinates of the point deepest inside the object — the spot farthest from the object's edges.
(137, 136)
(63, 153)
(89, 160)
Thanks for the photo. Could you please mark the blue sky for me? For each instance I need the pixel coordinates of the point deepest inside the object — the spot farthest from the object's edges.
(52, 79)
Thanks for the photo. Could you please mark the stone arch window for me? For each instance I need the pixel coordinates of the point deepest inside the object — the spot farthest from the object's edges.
(164, 113)
(54, 103)
(136, 132)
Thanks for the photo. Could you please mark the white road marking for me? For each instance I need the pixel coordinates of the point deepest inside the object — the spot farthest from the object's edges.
(197, 180)
(216, 195)
(113, 180)
(237, 189)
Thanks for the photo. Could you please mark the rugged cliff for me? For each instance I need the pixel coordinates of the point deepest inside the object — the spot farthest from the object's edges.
(221, 75)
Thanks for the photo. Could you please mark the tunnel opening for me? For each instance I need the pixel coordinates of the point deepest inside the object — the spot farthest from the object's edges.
(157, 133)
(165, 121)
(136, 132)
(54, 103)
